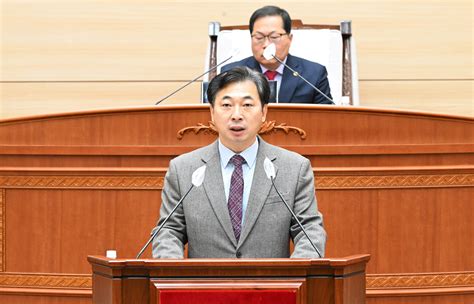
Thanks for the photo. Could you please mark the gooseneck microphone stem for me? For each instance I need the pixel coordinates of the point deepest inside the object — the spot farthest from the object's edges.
(296, 219)
(164, 222)
(296, 74)
(192, 81)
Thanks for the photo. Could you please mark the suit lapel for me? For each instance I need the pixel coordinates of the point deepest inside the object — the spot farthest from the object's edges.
(259, 191)
(289, 81)
(254, 65)
(214, 188)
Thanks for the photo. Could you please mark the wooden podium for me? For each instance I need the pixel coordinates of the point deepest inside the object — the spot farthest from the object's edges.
(285, 281)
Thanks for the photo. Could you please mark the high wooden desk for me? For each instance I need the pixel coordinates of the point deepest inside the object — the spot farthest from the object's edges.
(396, 185)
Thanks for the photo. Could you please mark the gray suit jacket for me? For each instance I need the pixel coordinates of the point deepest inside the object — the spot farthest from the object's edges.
(203, 220)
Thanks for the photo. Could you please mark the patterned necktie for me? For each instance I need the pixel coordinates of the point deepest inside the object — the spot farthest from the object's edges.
(236, 194)
(271, 74)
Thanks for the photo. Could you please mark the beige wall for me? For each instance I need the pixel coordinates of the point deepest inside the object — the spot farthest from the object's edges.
(74, 55)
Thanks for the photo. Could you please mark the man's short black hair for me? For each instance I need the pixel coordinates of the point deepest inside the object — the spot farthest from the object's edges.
(236, 75)
(271, 11)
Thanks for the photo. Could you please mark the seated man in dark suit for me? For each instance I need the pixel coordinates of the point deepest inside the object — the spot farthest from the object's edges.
(271, 24)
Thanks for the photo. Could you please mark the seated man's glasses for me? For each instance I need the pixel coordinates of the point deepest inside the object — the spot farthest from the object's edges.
(273, 37)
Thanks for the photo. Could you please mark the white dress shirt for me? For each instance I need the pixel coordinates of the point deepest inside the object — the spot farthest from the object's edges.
(248, 169)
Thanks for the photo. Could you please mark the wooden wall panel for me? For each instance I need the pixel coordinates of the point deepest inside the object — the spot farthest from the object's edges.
(403, 230)
(165, 42)
(453, 97)
(35, 299)
(33, 98)
(55, 229)
(443, 299)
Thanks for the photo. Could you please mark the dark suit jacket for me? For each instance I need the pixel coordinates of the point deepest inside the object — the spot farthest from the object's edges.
(203, 219)
(294, 89)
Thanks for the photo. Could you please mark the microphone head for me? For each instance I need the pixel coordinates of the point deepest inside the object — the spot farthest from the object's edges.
(269, 51)
(198, 176)
(235, 52)
(269, 168)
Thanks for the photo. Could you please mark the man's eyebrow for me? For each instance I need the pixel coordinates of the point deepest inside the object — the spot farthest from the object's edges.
(272, 32)
(227, 97)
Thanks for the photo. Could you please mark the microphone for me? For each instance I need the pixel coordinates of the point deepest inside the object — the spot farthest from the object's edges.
(270, 172)
(234, 53)
(196, 180)
(269, 53)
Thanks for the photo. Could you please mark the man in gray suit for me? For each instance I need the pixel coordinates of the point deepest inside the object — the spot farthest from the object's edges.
(236, 212)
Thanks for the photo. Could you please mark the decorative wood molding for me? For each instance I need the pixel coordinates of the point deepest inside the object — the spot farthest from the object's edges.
(374, 282)
(425, 280)
(267, 127)
(394, 181)
(322, 182)
(46, 281)
(2, 229)
(309, 149)
(200, 127)
(271, 126)
(89, 182)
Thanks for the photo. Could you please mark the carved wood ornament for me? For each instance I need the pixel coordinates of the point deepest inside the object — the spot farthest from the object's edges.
(267, 127)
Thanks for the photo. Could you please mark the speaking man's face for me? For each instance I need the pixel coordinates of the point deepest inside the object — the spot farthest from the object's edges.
(267, 30)
(238, 114)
